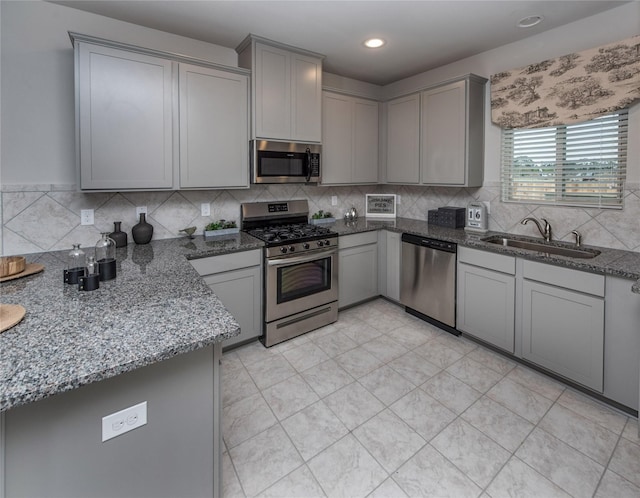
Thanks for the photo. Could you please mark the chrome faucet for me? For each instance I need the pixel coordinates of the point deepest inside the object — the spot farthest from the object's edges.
(578, 237)
(546, 232)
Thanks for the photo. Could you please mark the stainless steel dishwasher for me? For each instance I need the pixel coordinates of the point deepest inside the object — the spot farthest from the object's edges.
(428, 280)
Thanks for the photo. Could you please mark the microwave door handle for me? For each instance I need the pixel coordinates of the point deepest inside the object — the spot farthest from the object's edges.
(308, 164)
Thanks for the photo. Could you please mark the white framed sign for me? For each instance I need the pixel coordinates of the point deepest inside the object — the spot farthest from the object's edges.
(380, 205)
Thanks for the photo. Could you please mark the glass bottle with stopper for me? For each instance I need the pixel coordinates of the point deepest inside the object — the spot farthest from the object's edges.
(106, 257)
(76, 265)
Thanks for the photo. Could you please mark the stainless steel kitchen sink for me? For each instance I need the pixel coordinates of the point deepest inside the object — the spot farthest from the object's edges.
(543, 247)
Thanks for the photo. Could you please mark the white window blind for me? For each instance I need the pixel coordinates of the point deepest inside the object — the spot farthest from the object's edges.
(573, 165)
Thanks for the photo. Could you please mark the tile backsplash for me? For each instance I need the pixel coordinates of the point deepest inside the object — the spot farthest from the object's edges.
(43, 218)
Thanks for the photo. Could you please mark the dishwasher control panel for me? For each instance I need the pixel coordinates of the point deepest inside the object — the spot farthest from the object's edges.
(440, 245)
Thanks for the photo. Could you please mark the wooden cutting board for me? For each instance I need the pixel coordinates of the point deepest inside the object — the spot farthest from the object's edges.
(10, 315)
(30, 269)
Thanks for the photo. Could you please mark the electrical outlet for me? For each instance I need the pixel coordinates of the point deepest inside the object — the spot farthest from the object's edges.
(205, 209)
(334, 200)
(488, 204)
(398, 199)
(124, 421)
(86, 216)
(141, 209)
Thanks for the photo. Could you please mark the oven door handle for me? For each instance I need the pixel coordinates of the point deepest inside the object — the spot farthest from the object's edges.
(300, 259)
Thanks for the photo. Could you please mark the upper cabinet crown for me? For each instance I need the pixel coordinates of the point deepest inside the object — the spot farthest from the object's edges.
(436, 136)
(149, 120)
(286, 90)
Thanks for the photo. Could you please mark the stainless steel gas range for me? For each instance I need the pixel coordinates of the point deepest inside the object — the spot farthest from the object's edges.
(300, 268)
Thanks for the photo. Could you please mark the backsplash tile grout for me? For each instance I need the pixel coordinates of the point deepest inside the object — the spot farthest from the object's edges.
(37, 218)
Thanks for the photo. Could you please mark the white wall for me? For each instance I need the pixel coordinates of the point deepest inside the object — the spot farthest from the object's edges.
(607, 27)
(37, 99)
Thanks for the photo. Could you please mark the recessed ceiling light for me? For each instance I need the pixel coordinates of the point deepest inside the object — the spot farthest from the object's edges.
(374, 42)
(530, 21)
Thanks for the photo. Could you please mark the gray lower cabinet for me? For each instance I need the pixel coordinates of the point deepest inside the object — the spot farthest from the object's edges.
(486, 297)
(563, 322)
(237, 281)
(358, 273)
(622, 342)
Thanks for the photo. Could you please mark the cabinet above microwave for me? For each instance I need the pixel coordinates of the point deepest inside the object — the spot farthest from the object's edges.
(286, 90)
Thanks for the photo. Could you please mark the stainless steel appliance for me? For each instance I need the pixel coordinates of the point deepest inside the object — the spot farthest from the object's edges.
(428, 280)
(300, 268)
(285, 162)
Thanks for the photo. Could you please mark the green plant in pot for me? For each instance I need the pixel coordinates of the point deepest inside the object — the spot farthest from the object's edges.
(321, 215)
(220, 225)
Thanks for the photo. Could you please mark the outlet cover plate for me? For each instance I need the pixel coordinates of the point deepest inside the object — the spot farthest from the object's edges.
(205, 209)
(141, 209)
(86, 216)
(124, 421)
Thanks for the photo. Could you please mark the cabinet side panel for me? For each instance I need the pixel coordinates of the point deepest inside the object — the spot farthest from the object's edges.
(54, 447)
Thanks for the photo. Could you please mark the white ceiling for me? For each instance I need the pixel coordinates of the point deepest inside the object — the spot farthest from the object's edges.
(420, 34)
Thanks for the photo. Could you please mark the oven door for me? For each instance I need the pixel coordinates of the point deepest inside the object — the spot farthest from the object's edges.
(298, 283)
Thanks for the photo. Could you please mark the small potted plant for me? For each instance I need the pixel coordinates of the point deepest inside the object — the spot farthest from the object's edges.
(322, 217)
(219, 228)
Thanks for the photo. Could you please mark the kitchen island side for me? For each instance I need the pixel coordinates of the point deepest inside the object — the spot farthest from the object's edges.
(153, 334)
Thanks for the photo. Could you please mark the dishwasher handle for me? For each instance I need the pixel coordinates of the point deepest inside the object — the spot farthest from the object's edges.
(439, 245)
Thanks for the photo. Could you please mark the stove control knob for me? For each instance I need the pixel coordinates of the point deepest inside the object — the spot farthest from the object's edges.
(283, 250)
(320, 243)
(327, 242)
(305, 245)
(292, 248)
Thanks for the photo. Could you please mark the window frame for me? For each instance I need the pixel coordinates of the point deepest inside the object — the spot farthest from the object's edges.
(599, 186)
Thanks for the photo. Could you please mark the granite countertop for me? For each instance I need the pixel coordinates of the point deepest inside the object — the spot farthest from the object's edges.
(616, 262)
(156, 308)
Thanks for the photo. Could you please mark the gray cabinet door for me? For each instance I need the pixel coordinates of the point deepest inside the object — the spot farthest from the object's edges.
(306, 97)
(486, 305)
(213, 128)
(444, 135)
(337, 145)
(272, 93)
(124, 119)
(403, 140)
(350, 140)
(240, 292)
(358, 274)
(563, 330)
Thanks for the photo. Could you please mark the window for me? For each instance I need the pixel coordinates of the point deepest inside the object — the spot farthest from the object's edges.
(570, 165)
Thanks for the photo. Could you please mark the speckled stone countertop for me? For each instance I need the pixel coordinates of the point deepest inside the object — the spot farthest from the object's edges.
(156, 308)
(616, 262)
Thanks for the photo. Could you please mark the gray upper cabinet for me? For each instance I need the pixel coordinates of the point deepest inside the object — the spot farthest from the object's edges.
(124, 113)
(452, 135)
(214, 128)
(436, 137)
(286, 90)
(349, 140)
(149, 120)
(403, 140)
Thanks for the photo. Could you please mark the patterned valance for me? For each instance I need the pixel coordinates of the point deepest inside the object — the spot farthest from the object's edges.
(569, 89)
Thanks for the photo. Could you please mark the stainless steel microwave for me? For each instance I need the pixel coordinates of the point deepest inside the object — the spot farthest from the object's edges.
(285, 162)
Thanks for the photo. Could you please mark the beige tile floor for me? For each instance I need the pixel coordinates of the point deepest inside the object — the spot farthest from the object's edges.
(381, 404)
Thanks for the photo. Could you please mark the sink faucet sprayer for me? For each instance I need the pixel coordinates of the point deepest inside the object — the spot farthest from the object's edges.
(546, 232)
